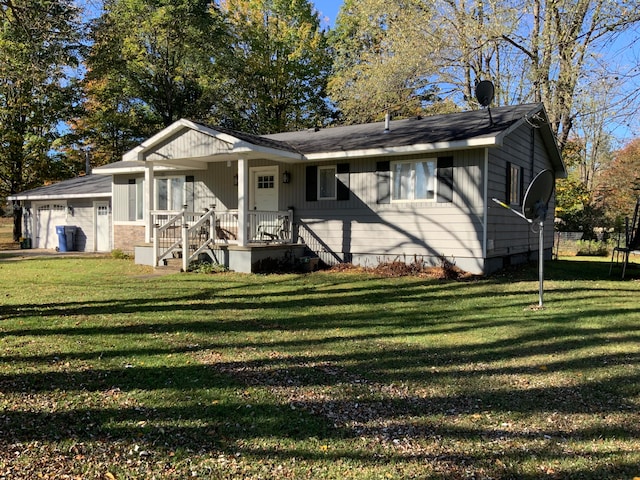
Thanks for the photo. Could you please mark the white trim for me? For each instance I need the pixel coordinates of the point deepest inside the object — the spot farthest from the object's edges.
(335, 182)
(59, 196)
(106, 170)
(96, 204)
(413, 163)
(268, 169)
(491, 141)
(36, 243)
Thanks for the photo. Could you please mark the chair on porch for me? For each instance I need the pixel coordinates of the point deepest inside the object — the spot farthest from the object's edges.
(631, 241)
(271, 230)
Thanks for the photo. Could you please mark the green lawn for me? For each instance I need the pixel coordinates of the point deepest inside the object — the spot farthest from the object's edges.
(108, 371)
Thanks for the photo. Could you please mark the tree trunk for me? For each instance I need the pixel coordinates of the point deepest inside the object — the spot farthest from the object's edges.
(17, 221)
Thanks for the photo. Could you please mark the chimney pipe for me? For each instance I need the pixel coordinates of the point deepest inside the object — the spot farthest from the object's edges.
(387, 119)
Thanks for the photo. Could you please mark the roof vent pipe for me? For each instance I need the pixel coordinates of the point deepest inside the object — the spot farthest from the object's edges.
(387, 119)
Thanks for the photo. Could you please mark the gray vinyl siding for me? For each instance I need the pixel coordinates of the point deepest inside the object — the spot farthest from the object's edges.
(187, 144)
(360, 227)
(507, 233)
(120, 202)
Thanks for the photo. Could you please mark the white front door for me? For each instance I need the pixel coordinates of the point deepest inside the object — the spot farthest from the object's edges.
(48, 217)
(102, 223)
(264, 189)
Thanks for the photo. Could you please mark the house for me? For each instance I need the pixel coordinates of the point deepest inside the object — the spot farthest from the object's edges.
(82, 203)
(396, 190)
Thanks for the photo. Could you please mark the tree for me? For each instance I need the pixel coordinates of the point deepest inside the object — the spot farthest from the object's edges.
(561, 44)
(620, 184)
(40, 43)
(151, 63)
(275, 75)
(383, 58)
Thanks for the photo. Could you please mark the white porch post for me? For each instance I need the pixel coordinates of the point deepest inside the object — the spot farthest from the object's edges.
(148, 200)
(243, 200)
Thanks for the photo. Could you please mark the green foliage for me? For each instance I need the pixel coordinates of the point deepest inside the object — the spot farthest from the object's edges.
(39, 40)
(382, 59)
(593, 248)
(119, 254)
(150, 65)
(276, 70)
(207, 267)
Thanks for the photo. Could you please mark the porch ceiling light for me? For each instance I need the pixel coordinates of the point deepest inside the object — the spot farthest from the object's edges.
(286, 177)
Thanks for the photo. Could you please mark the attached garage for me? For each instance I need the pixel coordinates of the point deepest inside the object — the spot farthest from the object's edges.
(47, 217)
(82, 203)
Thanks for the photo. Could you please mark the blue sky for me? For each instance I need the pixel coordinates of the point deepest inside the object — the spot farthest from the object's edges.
(328, 10)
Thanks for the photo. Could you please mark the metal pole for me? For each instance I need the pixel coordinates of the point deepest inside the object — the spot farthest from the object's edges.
(541, 263)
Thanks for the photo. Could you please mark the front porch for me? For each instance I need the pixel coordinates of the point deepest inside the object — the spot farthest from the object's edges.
(213, 236)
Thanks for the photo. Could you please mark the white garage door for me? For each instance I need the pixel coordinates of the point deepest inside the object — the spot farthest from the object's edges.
(48, 216)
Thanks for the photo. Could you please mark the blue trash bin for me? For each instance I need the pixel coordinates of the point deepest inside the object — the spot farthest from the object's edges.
(70, 233)
(62, 238)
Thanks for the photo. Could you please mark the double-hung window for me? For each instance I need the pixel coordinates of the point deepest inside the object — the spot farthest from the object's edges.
(413, 180)
(327, 182)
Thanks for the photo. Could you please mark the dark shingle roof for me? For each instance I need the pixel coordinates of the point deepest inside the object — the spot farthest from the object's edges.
(87, 186)
(413, 131)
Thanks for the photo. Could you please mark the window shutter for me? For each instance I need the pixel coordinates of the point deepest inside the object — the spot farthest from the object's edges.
(344, 186)
(383, 182)
(312, 183)
(507, 193)
(189, 192)
(445, 179)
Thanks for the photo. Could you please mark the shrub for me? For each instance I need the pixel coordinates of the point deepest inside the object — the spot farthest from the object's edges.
(119, 254)
(593, 248)
(206, 267)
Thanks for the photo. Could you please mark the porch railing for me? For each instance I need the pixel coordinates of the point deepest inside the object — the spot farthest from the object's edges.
(186, 235)
(270, 227)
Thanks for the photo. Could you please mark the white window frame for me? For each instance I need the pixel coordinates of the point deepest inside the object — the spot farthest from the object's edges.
(321, 191)
(515, 193)
(412, 178)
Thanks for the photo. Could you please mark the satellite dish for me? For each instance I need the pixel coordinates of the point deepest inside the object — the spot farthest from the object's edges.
(534, 209)
(485, 92)
(537, 196)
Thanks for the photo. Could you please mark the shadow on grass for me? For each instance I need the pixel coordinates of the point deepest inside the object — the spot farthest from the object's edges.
(385, 389)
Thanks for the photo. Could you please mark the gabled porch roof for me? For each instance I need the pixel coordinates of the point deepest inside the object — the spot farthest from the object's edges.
(188, 144)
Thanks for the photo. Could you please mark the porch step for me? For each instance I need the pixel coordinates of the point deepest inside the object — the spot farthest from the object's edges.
(172, 264)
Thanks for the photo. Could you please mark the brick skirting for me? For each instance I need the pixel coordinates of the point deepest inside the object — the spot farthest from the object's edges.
(126, 237)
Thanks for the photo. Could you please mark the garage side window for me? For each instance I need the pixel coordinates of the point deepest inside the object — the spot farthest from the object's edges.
(136, 199)
(514, 184)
